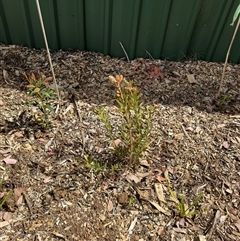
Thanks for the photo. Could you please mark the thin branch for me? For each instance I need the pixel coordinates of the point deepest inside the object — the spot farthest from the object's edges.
(124, 52)
(226, 60)
(49, 57)
(149, 54)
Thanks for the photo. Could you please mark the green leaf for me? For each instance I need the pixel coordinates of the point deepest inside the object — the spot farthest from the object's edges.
(235, 15)
(195, 202)
(181, 205)
(49, 107)
(5, 198)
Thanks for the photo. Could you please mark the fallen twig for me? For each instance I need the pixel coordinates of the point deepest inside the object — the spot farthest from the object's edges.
(28, 203)
(210, 229)
(185, 132)
(80, 119)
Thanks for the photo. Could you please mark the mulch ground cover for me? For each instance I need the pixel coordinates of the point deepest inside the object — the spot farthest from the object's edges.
(67, 185)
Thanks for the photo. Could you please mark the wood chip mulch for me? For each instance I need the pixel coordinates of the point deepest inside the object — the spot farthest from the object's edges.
(195, 142)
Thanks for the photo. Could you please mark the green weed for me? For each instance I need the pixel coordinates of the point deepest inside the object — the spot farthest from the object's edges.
(99, 168)
(5, 196)
(225, 99)
(41, 94)
(185, 210)
(131, 200)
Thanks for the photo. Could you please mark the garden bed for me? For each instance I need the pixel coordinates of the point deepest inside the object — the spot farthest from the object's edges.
(58, 196)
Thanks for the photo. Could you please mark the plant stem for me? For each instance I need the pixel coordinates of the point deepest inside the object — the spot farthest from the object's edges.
(226, 60)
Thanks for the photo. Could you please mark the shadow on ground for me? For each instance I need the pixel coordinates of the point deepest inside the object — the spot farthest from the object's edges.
(85, 75)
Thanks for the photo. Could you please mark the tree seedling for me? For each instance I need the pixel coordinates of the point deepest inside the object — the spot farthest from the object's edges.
(132, 136)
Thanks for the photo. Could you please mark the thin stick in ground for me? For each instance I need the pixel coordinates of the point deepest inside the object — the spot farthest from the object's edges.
(226, 60)
(124, 52)
(48, 52)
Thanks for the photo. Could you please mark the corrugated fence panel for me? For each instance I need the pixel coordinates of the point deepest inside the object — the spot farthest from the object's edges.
(211, 36)
(172, 29)
(124, 27)
(69, 22)
(181, 19)
(96, 14)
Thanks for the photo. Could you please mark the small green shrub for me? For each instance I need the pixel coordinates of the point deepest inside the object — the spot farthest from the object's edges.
(41, 94)
(130, 138)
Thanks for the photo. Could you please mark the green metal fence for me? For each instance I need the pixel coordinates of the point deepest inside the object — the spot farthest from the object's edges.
(172, 29)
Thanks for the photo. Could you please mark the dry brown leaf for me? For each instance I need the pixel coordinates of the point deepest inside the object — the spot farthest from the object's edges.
(142, 194)
(176, 73)
(144, 163)
(160, 231)
(161, 179)
(19, 201)
(18, 191)
(18, 134)
(179, 136)
(5, 151)
(7, 216)
(9, 160)
(225, 144)
(145, 196)
(42, 140)
(180, 230)
(182, 222)
(142, 175)
(158, 207)
(159, 191)
(47, 179)
(237, 224)
(117, 142)
(221, 125)
(202, 238)
(110, 206)
(131, 177)
(5, 74)
(191, 79)
(4, 223)
(2, 194)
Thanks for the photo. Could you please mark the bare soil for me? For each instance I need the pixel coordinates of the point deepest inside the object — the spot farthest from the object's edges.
(195, 143)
